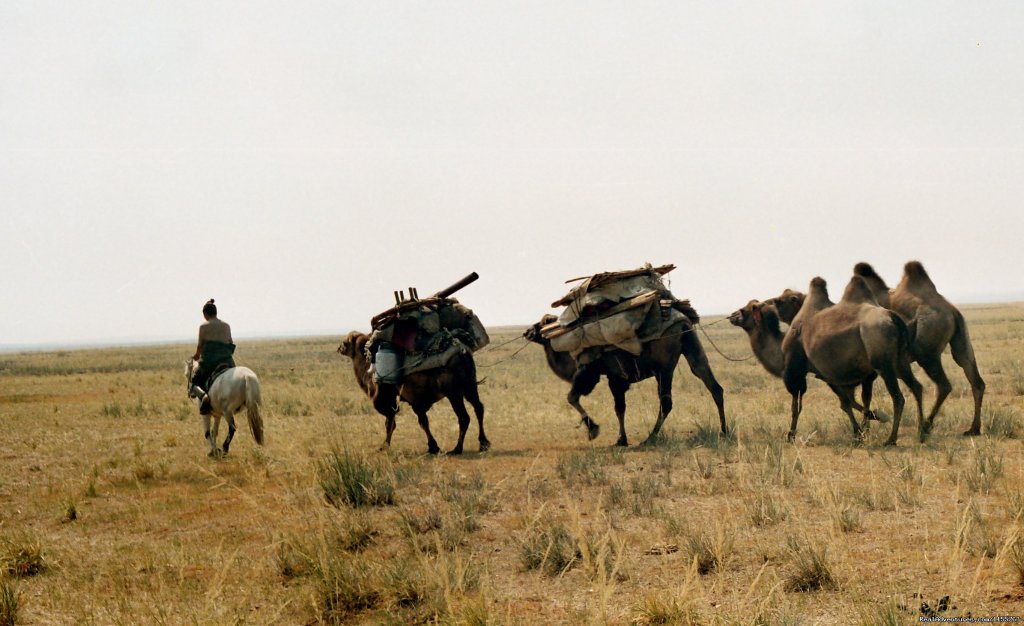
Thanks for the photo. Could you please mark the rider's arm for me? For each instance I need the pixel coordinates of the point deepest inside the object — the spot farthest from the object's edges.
(199, 346)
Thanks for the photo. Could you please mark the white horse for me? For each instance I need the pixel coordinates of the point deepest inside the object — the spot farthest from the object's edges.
(235, 388)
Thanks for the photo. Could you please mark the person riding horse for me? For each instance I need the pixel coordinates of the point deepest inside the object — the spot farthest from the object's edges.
(215, 349)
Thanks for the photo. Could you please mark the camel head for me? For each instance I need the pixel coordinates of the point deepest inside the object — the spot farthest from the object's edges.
(533, 332)
(756, 315)
(747, 317)
(787, 304)
(352, 344)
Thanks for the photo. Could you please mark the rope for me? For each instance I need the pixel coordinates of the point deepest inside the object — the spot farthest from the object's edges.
(510, 357)
(717, 349)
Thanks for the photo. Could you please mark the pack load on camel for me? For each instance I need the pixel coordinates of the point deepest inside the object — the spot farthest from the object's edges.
(616, 310)
(421, 334)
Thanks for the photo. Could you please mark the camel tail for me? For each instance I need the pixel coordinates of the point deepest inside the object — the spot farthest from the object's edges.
(253, 401)
(906, 333)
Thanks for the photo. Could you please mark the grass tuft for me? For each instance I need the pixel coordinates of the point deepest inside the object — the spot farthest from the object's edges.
(810, 568)
(10, 603)
(21, 556)
(354, 481)
(550, 549)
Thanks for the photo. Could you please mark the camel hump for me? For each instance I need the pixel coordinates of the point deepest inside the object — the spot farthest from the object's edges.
(858, 292)
(864, 270)
(916, 276)
(819, 283)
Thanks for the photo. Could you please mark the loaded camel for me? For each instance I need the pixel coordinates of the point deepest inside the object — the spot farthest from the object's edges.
(938, 324)
(658, 358)
(760, 320)
(455, 381)
(848, 344)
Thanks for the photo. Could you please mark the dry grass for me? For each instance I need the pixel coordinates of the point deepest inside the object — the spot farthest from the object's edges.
(111, 513)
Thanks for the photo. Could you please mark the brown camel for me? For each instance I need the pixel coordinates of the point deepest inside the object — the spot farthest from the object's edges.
(938, 324)
(658, 358)
(760, 320)
(455, 381)
(848, 344)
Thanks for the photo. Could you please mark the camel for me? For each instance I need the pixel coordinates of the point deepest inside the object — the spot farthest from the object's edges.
(938, 324)
(658, 358)
(848, 344)
(760, 320)
(455, 381)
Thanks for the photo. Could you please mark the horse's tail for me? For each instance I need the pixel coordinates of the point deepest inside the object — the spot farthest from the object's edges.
(253, 400)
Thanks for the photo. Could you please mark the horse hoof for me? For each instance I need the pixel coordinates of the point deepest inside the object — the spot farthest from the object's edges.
(791, 437)
(622, 442)
(455, 451)
(433, 450)
(974, 432)
(890, 443)
(485, 446)
(593, 429)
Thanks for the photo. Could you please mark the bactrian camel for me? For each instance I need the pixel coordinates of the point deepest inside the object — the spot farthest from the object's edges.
(455, 381)
(848, 344)
(938, 324)
(658, 358)
(760, 320)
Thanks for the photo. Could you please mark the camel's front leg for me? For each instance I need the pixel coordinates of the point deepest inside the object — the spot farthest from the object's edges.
(583, 383)
(619, 387)
(432, 447)
(665, 398)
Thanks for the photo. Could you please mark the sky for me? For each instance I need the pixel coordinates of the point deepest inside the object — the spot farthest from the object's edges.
(300, 161)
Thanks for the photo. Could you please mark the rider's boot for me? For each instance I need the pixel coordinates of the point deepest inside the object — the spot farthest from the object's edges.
(203, 400)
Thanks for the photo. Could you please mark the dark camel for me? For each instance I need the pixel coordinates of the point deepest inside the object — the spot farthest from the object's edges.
(455, 381)
(848, 344)
(760, 320)
(658, 358)
(938, 324)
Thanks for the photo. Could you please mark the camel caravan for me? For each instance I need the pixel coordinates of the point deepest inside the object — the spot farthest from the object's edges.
(872, 331)
(627, 326)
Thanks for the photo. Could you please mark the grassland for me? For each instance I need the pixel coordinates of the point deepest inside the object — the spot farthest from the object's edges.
(111, 512)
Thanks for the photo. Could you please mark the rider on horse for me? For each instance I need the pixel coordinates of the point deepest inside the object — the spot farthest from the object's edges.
(214, 350)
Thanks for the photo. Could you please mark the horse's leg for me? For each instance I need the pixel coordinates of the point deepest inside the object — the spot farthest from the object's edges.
(664, 379)
(963, 353)
(473, 396)
(697, 359)
(213, 435)
(209, 435)
(230, 418)
(619, 387)
(459, 406)
(432, 447)
(582, 384)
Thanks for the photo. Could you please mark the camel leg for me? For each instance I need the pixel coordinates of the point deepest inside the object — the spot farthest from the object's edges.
(701, 368)
(473, 396)
(459, 406)
(665, 397)
(963, 354)
(846, 403)
(386, 403)
(618, 387)
(230, 418)
(898, 401)
(932, 366)
(582, 384)
(432, 447)
(867, 389)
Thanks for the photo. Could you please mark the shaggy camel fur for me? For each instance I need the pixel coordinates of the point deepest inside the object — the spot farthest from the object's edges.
(455, 381)
(938, 324)
(658, 359)
(760, 320)
(848, 344)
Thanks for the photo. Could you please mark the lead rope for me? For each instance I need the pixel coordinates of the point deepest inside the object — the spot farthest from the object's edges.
(717, 349)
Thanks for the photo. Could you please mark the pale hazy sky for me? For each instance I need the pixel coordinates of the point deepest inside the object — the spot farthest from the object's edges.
(299, 161)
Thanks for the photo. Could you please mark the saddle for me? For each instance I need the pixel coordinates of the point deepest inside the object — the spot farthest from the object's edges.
(217, 371)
